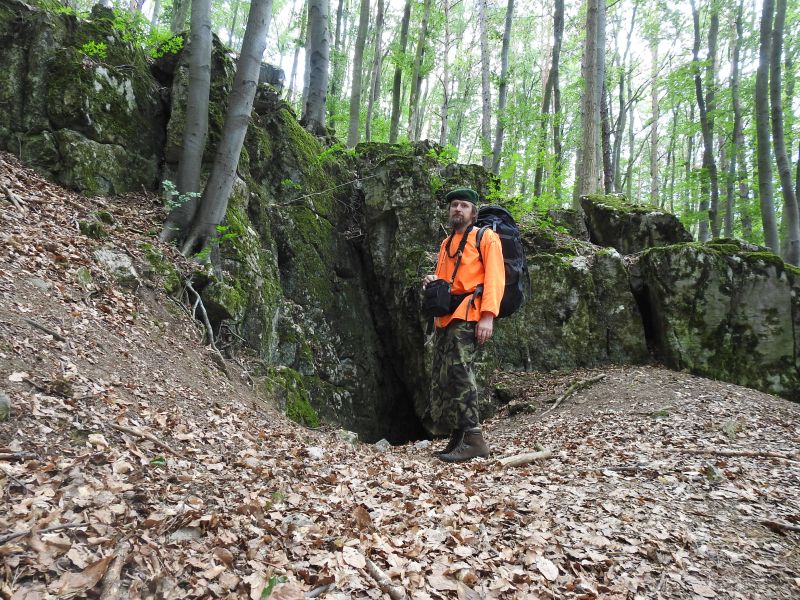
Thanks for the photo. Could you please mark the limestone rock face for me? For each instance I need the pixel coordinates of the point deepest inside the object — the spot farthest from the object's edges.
(725, 310)
(93, 124)
(614, 222)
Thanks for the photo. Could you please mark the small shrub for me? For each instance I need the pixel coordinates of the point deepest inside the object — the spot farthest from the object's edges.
(96, 50)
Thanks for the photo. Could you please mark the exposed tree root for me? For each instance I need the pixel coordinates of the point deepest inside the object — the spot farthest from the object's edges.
(396, 592)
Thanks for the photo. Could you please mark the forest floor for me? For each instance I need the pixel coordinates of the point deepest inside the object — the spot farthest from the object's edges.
(131, 467)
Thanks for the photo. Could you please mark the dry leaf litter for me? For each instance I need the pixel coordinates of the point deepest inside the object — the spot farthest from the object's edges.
(131, 467)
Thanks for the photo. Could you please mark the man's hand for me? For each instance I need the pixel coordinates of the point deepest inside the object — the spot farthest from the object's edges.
(484, 328)
(428, 279)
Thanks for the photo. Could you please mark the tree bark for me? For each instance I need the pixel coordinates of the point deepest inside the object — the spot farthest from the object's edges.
(398, 74)
(445, 108)
(355, 88)
(180, 11)
(156, 14)
(196, 125)
(790, 212)
(592, 73)
(709, 183)
(233, 23)
(486, 93)
(214, 201)
(416, 76)
(551, 88)
(337, 62)
(763, 148)
(375, 83)
(298, 43)
(318, 62)
(654, 110)
(503, 90)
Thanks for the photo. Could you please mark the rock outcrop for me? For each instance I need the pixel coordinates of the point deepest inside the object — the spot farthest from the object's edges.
(725, 310)
(615, 222)
(79, 102)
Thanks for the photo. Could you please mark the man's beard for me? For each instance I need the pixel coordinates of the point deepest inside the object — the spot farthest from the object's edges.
(457, 221)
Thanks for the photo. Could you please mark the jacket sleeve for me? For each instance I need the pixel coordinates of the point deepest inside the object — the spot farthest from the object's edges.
(494, 280)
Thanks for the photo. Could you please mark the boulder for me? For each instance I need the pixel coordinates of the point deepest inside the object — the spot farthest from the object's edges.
(724, 310)
(93, 123)
(614, 222)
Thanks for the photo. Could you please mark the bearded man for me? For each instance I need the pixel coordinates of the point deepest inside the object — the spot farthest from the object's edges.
(477, 281)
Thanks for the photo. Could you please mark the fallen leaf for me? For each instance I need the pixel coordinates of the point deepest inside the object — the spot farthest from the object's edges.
(76, 583)
(701, 589)
(361, 515)
(18, 376)
(547, 568)
(353, 557)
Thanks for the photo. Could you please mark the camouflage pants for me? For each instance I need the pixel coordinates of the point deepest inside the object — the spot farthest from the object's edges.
(454, 393)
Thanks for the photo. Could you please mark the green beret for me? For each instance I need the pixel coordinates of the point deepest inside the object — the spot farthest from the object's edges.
(463, 194)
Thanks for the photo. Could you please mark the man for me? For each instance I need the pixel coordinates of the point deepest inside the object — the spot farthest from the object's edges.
(480, 279)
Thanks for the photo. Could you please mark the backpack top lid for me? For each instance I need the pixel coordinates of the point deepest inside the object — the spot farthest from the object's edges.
(490, 213)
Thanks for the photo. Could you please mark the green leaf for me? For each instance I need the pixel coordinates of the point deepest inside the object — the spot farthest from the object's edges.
(271, 584)
(158, 461)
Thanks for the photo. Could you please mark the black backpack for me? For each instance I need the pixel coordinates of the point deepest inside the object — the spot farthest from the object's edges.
(499, 220)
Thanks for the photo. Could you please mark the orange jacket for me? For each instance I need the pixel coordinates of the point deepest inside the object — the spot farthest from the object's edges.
(471, 273)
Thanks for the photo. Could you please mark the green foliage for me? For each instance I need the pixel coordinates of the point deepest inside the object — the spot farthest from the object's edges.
(173, 199)
(447, 155)
(94, 49)
(135, 29)
(158, 461)
(271, 584)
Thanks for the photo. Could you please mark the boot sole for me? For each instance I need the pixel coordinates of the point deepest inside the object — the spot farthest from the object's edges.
(445, 458)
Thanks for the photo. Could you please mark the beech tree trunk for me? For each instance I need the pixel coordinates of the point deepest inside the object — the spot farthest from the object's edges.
(337, 62)
(214, 201)
(790, 212)
(196, 125)
(763, 148)
(375, 79)
(180, 11)
(232, 28)
(355, 87)
(298, 43)
(156, 14)
(416, 76)
(318, 61)
(738, 166)
(654, 108)
(445, 108)
(486, 94)
(503, 91)
(551, 88)
(394, 124)
(592, 73)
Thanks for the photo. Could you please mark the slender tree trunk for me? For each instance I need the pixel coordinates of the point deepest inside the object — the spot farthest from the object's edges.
(503, 91)
(394, 123)
(355, 88)
(763, 147)
(214, 202)
(318, 63)
(705, 106)
(631, 147)
(790, 212)
(375, 78)
(671, 159)
(592, 73)
(738, 164)
(180, 11)
(196, 125)
(605, 137)
(425, 88)
(338, 63)
(298, 43)
(551, 88)
(232, 29)
(486, 93)
(619, 133)
(445, 108)
(654, 109)
(416, 76)
(156, 14)
(558, 154)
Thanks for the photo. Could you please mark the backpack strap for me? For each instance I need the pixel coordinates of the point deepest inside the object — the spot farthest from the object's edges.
(478, 238)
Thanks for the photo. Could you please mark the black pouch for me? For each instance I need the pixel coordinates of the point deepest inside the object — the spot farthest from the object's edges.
(436, 302)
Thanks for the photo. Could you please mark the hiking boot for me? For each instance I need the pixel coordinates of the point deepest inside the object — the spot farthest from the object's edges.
(455, 440)
(472, 446)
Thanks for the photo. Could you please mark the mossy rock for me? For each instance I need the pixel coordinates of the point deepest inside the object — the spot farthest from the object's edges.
(630, 228)
(725, 314)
